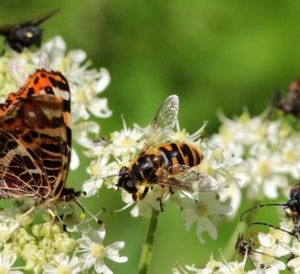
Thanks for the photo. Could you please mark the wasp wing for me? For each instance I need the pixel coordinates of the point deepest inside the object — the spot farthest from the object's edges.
(164, 120)
(192, 180)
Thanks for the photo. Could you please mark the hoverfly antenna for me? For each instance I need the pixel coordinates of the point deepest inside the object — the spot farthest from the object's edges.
(258, 206)
(94, 217)
(276, 227)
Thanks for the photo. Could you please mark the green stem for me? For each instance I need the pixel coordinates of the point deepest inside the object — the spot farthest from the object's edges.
(229, 251)
(148, 246)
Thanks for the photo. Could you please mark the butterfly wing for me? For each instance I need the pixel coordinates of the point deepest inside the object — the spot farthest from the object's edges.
(33, 147)
(37, 124)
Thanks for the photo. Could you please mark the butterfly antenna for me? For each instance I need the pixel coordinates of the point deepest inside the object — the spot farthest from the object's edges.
(276, 227)
(258, 206)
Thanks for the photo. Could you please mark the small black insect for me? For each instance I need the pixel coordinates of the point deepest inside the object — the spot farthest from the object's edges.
(290, 104)
(20, 36)
(246, 248)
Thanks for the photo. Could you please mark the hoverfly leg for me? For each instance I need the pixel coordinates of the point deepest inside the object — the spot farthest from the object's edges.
(162, 193)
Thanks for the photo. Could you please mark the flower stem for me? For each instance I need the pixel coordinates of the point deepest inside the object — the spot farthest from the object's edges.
(148, 246)
(229, 251)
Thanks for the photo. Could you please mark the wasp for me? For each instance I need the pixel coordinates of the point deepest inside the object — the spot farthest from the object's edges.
(25, 35)
(291, 208)
(165, 163)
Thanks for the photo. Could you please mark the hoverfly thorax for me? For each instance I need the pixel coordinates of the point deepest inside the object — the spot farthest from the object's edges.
(29, 35)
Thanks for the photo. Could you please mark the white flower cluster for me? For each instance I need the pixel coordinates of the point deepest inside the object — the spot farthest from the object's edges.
(274, 252)
(47, 248)
(270, 153)
(111, 155)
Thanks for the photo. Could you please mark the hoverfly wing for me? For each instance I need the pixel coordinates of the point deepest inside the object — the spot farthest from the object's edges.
(165, 119)
(39, 20)
(192, 180)
(5, 30)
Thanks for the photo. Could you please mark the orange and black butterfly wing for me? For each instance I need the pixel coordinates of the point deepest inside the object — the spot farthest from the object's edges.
(33, 148)
(36, 125)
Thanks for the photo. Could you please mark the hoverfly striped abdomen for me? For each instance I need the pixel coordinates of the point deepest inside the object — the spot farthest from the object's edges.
(180, 156)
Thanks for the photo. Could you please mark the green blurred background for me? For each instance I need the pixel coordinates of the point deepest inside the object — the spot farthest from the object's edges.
(216, 55)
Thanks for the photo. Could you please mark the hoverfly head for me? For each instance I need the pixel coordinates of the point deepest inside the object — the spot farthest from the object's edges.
(126, 181)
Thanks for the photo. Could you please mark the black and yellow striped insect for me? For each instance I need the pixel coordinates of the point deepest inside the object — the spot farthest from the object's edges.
(164, 163)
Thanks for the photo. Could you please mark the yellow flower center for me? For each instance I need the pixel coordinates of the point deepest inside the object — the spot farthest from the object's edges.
(290, 156)
(98, 250)
(128, 142)
(3, 269)
(201, 209)
(63, 270)
(264, 168)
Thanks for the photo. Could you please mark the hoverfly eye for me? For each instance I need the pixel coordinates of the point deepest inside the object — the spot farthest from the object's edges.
(130, 187)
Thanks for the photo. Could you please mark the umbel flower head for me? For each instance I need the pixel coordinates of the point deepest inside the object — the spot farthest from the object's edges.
(270, 165)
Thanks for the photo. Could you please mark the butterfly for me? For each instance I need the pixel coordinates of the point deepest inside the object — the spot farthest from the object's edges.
(25, 35)
(35, 140)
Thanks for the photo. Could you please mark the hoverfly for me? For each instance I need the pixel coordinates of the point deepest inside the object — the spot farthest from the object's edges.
(291, 208)
(20, 36)
(165, 163)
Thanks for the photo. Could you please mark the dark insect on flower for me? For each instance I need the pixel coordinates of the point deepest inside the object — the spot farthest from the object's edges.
(25, 35)
(290, 105)
(246, 248)
(291, 208)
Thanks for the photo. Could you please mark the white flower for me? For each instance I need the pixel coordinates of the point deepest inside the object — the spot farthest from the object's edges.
(7, 259)
(295, 262)
(272, 247)
(94, 251)
(61, 263)
(198, 211)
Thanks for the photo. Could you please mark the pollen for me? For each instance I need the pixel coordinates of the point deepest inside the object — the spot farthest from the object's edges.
(98, 250)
